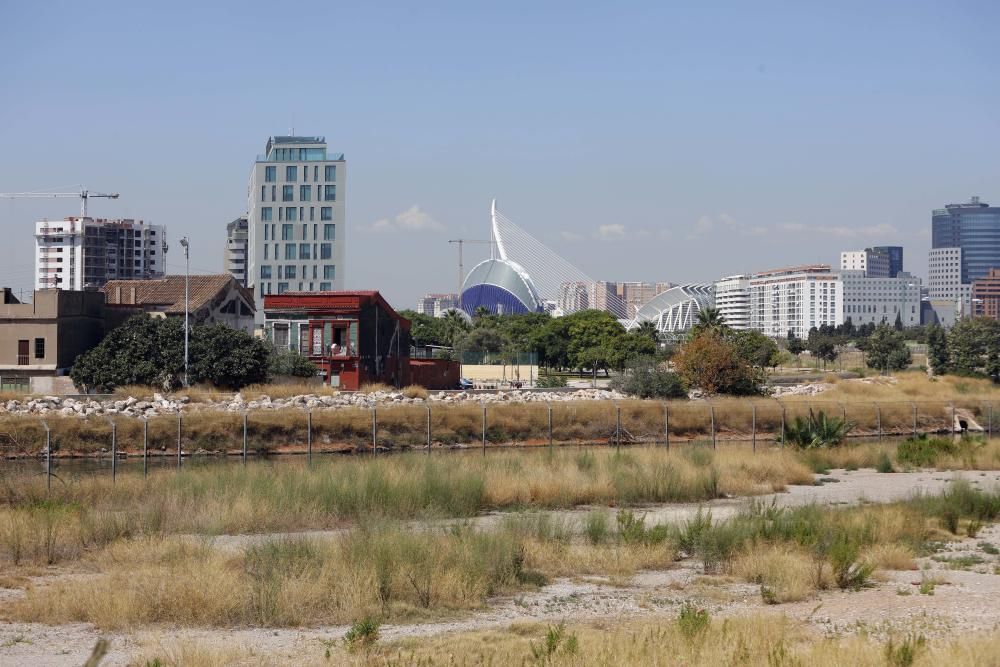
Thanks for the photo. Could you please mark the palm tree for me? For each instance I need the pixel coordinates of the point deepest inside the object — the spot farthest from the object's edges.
(648, 329)
(709, 319)
(454, 323)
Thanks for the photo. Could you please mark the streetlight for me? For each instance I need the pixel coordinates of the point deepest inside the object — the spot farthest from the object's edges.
(187, 274)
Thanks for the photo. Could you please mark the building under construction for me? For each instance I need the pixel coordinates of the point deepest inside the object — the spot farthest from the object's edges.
(83, 252)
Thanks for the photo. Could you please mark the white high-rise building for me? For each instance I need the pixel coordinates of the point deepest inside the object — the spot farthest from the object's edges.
(795, 299)
(870, 300)
(78, 253)
(296, 219)
(732, 300)
(235, 258)
(874, 263)
(436, 305)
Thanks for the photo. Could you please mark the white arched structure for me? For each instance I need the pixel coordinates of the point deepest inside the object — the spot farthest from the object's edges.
(675, 310)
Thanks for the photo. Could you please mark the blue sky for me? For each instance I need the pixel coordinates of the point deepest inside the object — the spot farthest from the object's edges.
(644, 141)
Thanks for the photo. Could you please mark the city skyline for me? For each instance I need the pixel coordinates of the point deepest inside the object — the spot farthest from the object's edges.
(719, 147)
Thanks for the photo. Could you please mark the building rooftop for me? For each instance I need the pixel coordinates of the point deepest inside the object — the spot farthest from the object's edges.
(167, 293)
(804, 268)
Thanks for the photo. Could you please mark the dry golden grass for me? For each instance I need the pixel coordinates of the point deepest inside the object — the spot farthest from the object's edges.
(891, 557)
(785, 572)
(372, 387)
(415, 391)
(747, 640)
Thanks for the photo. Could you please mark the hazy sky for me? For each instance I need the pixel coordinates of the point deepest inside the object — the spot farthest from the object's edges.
(644, 141)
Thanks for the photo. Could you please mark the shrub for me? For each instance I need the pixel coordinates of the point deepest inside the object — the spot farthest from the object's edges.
(363, 634)
(922, 451)
(595, 526)
(645, 378)
(415, 391)
(289, 363)
(550, 381)
(849, 571)
(692, 621)
(817, 430)
(884, 464)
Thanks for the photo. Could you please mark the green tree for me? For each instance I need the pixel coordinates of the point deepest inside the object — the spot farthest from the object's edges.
(648, 329)
(823, 348)
(645, 377)
(937, 349)
(886, 350)
(590, 330)
(426, 330)
(970, 341)
(756, 349)
(898, 324)
(227, 357)
(711, 363)
(628, 347)
(453, 325)
(709, 319)
(484, 341)
(795, 345)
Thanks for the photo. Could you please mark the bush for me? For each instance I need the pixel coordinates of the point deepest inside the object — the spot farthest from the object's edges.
(289, 363)
(817, 430)
(922, 451)
(362, 634)
(644, 378)
(692, 621)
(550, 381)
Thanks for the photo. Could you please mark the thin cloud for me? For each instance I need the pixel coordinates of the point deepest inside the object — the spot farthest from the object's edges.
(839, 231)
(723, 224)
(410, 220)
(612, 232)
(573, 237)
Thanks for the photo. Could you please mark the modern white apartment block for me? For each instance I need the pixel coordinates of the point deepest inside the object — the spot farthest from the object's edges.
(732, 300)
(237, 242)
(296, 218)
(795, 299)
(944, 276)
(436, 305)
(874, 263)
(870, 300)
(77, 253)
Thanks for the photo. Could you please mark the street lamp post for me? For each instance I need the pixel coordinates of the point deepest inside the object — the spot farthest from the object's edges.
(187, 274)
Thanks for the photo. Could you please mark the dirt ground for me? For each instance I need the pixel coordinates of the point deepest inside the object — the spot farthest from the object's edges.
(964, 599)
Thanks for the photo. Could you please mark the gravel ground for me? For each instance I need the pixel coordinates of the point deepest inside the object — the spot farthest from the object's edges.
(966, 600)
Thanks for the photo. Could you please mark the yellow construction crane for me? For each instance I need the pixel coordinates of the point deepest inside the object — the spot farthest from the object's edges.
(82, 193)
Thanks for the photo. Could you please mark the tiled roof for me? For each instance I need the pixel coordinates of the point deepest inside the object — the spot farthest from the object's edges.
(168, 293)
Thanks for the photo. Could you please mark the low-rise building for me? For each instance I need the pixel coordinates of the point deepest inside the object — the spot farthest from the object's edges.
(872, 262)
(436, 305)
(212, 299)
(235, 257)
(795, 299)
(986, 295)
(869, 300)
(41, 340)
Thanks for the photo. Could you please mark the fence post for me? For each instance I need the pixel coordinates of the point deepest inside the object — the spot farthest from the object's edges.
(179, 427)
(48, 457)
(374, 430)
(428, 430)
(246, 419)
(843, 412)
(878, 417)
(952, 427)
(753, 425)
(114, 450)
(711, 410)
(309, 435)
(618, 426)
(484, 428)
(914, 419)
(145, 447)
(549, 405)
(666, 426)
(782, 426)
(990, 426)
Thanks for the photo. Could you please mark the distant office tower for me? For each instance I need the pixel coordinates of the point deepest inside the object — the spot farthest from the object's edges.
(986, 295)
(634, 295)
(965, 245)
(795, 299)
(436, 305)
(870, 300)
(895, 254)
(573, 296)
(872, 261)
(296, 219)
(235, 259)
(604, 296)
(78, 253)
(732, 300)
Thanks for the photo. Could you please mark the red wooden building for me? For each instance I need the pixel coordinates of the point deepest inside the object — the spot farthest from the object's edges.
(354, 338)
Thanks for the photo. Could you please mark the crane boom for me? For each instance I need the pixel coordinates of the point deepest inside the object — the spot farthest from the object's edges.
(83, 194)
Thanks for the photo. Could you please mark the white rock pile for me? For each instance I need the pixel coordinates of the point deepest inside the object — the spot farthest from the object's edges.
(160, 405)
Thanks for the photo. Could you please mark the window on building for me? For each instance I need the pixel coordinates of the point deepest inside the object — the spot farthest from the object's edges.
(273, 190)
(289, 271)
(289, 251)
(265, 249)
(282, 288)
(270, 174)
(305, 230)
(305, 173)
(324, 287)
(291, 174)
(265, 215)
(329, 232)
(39, 348)
(305, 193)
(287, 193)
(265, 271)
(287, 232)
(304, 251)
(315, 230)
(314, 266)
(22, 352)
(316, 172)
(325, 250)
(330, 172)
(291, 214)
(329, 193)
(263, 193)
(329, 272)
(312, 212)
(326, 213)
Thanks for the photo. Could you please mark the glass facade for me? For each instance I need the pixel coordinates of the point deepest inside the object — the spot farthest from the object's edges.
(973, 227)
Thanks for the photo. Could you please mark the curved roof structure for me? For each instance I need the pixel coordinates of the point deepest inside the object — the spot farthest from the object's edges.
(500, 286)
(676, 309)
